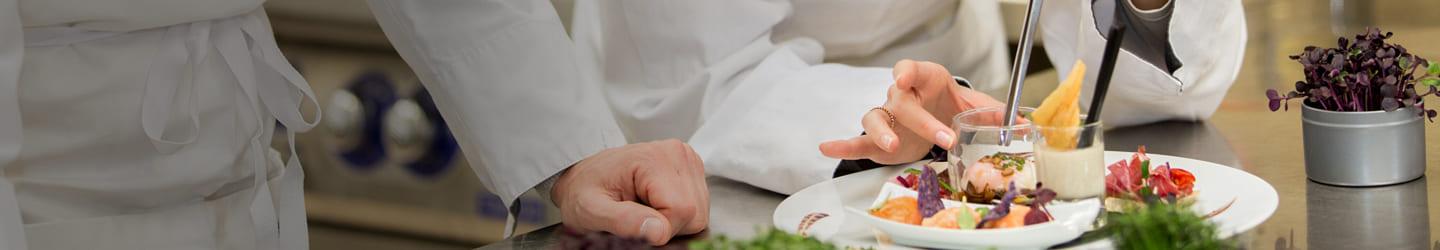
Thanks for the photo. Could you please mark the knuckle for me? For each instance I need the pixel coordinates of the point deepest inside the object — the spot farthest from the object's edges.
(687, 209)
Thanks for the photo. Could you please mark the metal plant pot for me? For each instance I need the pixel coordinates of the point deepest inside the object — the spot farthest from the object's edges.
(1370, 148)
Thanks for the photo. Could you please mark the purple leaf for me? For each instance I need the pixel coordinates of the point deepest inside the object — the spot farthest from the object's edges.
(1389, 104)
(929, 189)
(1274, 104)
(1003, 209)
(1038, 213)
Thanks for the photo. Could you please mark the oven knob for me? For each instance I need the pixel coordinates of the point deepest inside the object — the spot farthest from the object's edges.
(344, 115)
(407, 132)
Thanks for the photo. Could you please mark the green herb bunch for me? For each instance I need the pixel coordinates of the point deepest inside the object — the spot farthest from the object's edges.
(1162, 225)
(767, 239)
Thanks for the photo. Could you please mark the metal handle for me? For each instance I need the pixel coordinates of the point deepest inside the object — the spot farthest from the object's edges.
(1022, 60)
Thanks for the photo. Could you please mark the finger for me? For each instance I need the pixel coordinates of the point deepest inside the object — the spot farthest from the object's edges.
(904, 73)
(932, 77)
(967, 99)
(626, 219)
(700, 191)
(855, 148)
(668, 191)
(877, 123)
(916, 118)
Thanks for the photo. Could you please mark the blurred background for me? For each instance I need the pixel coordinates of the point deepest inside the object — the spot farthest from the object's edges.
(383, 171)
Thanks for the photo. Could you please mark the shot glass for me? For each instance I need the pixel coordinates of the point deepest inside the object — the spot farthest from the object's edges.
(1071, 160)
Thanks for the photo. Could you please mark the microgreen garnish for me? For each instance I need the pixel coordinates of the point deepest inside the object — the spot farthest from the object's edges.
(1366, 75)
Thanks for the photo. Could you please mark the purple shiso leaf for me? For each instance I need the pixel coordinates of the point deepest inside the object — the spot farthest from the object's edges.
(1038, 214)
(929, 192)
(1000, 210)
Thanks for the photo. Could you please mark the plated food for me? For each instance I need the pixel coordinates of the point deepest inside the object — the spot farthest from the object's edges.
(927, 209)
(984, 181)
(1135, 182)
(848, 199)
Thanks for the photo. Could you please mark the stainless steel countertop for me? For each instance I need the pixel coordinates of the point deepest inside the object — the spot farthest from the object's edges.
(1242, 134)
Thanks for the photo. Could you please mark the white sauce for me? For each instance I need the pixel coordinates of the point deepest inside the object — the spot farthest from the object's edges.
(1073, 174)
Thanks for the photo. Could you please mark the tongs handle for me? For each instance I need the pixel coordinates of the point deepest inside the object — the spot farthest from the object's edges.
(1017, 71)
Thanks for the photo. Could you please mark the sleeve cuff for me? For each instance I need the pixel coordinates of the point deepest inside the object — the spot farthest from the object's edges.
(543, 189)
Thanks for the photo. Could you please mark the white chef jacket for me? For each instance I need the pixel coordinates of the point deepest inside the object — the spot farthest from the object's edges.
(746, 83)
(144, 124)
(1207, 38)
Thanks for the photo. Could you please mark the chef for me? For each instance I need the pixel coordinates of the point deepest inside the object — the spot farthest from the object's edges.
(147, 125)
(752, 86)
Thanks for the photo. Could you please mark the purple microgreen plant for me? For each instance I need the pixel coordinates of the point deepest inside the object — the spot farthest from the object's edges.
(1366, 75)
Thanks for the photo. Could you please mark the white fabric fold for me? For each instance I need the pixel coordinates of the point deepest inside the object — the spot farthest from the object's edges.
(248, 48)
(12, 51)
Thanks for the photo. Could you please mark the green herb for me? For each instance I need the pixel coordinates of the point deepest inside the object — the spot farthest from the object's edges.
(947, 187)
(1431, 82)
(912, 171)
(983, 212)
(767, 239)
(1163, 226)
(1144, 169)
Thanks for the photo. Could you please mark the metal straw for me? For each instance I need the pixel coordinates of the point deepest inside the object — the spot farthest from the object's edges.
(1017, 72)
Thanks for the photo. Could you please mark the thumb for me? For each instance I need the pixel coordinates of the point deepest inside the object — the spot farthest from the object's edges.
(632, 220)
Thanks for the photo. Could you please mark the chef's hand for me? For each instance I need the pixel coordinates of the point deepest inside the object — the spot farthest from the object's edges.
(923, 101)
(650, 191)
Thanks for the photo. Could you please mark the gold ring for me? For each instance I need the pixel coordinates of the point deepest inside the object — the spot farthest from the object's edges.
(891, 122)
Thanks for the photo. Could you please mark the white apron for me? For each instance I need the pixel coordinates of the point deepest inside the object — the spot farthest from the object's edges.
(151, 139)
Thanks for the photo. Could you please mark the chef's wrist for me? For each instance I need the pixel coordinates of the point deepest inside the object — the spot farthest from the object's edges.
(546, 188)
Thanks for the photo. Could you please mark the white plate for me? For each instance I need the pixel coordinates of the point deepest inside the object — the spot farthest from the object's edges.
(1071, 220)
(1215, 185)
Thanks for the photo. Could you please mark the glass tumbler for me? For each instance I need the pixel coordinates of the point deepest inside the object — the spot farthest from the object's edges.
(988, 156)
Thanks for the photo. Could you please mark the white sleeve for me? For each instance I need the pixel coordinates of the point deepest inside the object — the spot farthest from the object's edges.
(12, 50)
(504, 76)
(767, 129)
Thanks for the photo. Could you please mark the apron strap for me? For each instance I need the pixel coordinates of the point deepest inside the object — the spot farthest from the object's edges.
(283, 88)
(279, 209)
(182, 47)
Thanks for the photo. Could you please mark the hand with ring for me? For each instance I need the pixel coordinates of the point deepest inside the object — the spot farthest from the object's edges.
(922, 101)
